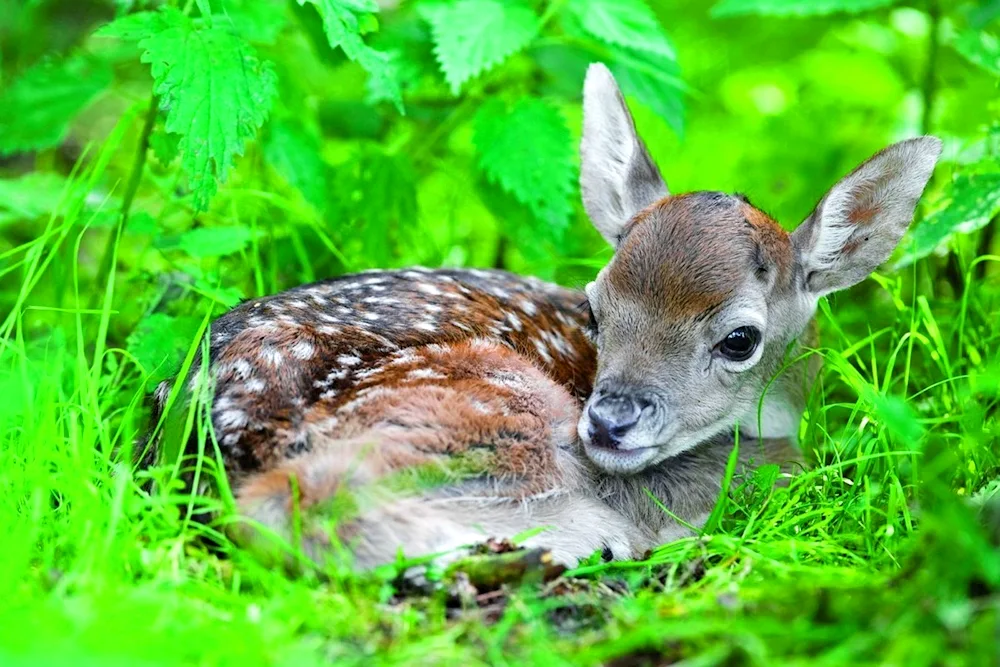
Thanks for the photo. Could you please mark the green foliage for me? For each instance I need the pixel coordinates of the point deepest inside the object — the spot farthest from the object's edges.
(974, 199)
(473, 36)
(981, 49)
(255, 145)
(344, 21)
(214, 90)
(624, 23)
(795, 7)
(36, 111)
(525, 149)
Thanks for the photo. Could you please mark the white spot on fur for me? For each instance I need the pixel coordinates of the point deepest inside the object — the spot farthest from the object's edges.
(426, 326)
(515, 321)
(303, 350)
(255, 386)
(543, 351)
(231, 419)
(528, 307)
(348, 360)
(271, 356)
(426, 374)
(427, 288)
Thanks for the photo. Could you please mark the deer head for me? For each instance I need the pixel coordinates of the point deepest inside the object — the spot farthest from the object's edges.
(705, 293)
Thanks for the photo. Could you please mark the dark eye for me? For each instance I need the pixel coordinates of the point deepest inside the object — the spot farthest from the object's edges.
(591, 321)
(740, 344)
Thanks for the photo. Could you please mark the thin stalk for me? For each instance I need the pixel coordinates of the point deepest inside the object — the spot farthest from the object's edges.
(131, 187)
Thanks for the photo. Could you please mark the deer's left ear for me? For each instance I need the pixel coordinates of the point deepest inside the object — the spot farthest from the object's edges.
(858, 224)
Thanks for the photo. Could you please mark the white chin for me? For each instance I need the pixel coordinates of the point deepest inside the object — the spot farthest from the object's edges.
(620, 461)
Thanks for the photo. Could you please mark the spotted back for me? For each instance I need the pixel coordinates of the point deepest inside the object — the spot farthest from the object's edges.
(289, 366)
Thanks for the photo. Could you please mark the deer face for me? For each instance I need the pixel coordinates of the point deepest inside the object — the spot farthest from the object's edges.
(705, 293)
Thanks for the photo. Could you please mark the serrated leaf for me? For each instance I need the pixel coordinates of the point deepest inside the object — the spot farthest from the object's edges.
(344, 21)
(215, 91)
(474, 36)
(654, 81)
(159, 342)
(214, 241)
(37, 109)
(981, 49)
(527, 150)
(626, 23)
(975, 199)
(794, 7)
(295, 155)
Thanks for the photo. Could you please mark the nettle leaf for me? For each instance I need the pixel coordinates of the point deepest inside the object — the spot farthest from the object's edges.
(975, 199)
(981, 49)
(215, 91)
(295, 155)
(528, 151)
(474, 36)
(159, 342)
(344, 21)
(37, 109)
(214, 241)
(626, 23)
(794, 7)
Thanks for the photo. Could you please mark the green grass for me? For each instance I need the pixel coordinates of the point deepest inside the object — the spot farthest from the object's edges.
(878, 552)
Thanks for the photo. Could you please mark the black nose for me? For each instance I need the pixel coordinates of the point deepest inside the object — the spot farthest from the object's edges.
(611, 417)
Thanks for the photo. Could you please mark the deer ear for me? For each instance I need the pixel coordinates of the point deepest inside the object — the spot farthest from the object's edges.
(617, 177)
(858, 224)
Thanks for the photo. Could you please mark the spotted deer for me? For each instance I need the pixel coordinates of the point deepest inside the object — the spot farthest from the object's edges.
(423, 410)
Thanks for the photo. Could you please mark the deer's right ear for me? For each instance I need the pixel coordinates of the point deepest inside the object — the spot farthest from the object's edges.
(617, 177)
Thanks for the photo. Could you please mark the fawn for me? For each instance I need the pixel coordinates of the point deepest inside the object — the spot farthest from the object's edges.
(423, 410)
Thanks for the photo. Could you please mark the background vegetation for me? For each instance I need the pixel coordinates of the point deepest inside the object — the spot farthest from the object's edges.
(161, 161)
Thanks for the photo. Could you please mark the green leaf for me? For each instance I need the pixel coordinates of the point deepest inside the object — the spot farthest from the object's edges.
(473, 36)
(214, 241)
(624, 23)
(975, 199)
(794, 7)
(527, 150)
(215, 91)
(259, 21)
(896, 415)
(653, 80)
(295, 155)
(981, 49)
(158, 344)
(344, 21)
(37, 109)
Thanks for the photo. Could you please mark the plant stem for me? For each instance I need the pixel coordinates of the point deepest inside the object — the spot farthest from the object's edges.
(131, 187)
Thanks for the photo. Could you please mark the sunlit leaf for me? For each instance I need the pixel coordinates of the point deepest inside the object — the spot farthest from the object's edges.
(473, 36)
(795, 7)
(975, 199)
(215, 91)
(527, 151)
(37, 108)
(625, 23)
